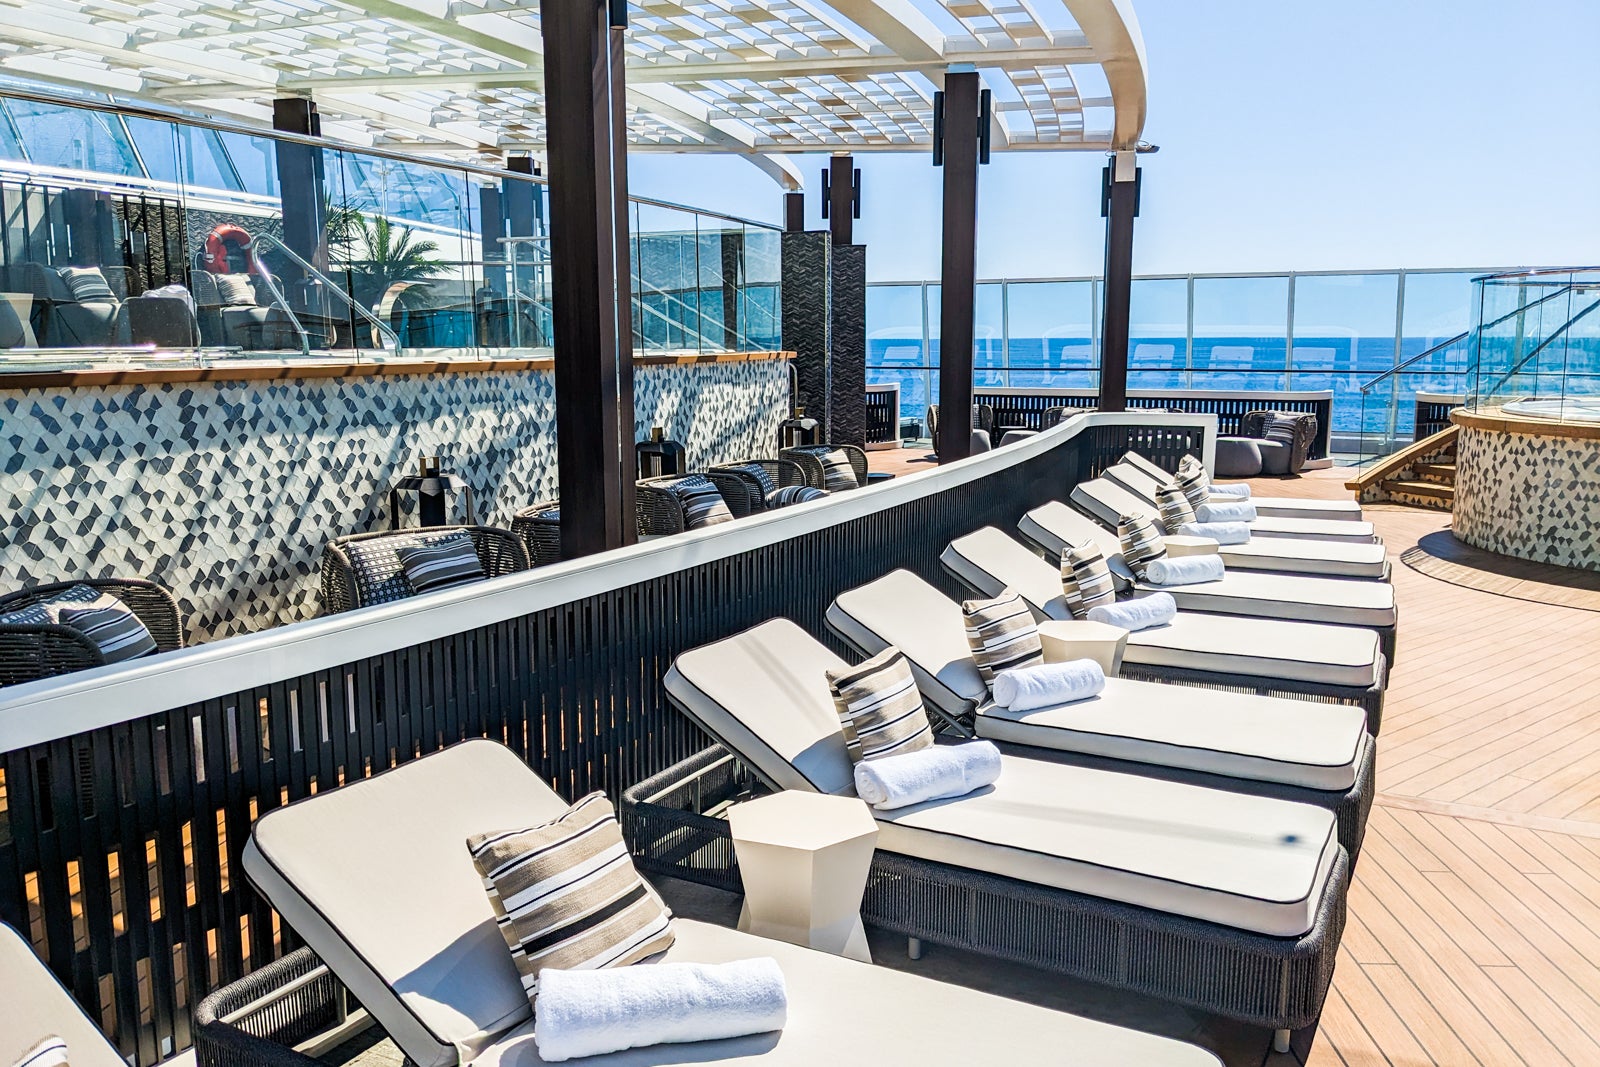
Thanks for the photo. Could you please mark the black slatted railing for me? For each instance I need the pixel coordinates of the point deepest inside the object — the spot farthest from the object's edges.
(120, 847)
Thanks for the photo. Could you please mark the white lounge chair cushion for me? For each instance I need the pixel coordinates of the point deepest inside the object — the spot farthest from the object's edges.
(1289, 597)
(935, 1022)
(1260, 648)
(1107, 500)
(377, 878)
(775, 665)
(35, 1007)
(1268, 739)
(1251, 863)
(1330, 559)
(1137, 478)
(1239, 735)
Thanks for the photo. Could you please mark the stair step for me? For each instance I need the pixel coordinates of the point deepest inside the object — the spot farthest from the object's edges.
(1436, 472)
(1416, 487)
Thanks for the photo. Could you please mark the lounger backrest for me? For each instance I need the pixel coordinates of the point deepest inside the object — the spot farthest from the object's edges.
(901, 609)
(1135, 481)
(990, 561)
(376, 878)
(34, 1006)
(1108, 501)
(1054, 526)
(764, 694)
(1148, 465)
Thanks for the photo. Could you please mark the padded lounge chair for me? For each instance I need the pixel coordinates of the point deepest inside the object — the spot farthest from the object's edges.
(1231, 904)
(1272, 657)
(37, 1007)
(1329, 559)
(1262, 594)
(1297, 750)
(376, 878)
(1274, 507)
(1106, 500)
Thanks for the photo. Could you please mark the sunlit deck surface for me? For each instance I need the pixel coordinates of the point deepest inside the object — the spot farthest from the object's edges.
(1474, 930)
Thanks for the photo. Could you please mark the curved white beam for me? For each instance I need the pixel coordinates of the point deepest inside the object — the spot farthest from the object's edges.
(1113, 32)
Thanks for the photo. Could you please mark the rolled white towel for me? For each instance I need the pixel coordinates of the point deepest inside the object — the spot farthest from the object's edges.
(1048, 684)
(1141, 613)
(1226, 511)
(1184, 570)
(1223, 533)
(1236, 490)
(927, 774)
(589, 1013)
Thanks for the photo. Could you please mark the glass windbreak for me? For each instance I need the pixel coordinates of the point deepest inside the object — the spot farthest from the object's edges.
(1534, 351)
(1241, 332)
(1051, 342)
(1344, 334)
(126, 236)
(1158, 334)
(896, 345)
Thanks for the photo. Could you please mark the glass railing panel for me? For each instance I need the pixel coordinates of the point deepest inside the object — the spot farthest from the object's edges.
(761, 310)
(1535, 351)
(1241, 331)
(667, 278)
(895, 348)
(1158, 328)
(989, 335)
(1050, 335)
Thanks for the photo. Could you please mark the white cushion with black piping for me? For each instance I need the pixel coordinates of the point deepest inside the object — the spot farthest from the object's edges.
(1139, 480)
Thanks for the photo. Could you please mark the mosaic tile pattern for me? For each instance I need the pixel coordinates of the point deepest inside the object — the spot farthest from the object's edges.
(225, 492)
(1530, 496)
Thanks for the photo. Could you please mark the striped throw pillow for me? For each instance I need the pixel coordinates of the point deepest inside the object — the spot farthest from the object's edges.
(759, 473)
(701, 501)
(1002, 634)
(87, 284)
(566, 894)
(1175, 507)
(107, 622)
(1086, 579)
(1195, 485)
(1283, 429)
(793, 494)
(1141, 542)
(51, 1052)
(837, 471)
(880, 709)
(440, 564)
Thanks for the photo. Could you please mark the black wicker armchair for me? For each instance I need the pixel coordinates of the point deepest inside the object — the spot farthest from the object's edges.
(810, 461)
(42, 650)
(360, 570)
(982, 419)
(258, 1020)
(743, 490)
(660, 510)
(539, 527)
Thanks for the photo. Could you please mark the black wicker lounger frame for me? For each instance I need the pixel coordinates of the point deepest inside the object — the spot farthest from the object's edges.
(1274, 982)
(1369, 699)
(257, 1021)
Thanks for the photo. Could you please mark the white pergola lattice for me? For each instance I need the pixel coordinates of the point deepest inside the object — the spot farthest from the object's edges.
(761, 78)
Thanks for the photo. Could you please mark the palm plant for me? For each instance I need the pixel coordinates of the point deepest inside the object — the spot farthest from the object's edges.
(379, 253)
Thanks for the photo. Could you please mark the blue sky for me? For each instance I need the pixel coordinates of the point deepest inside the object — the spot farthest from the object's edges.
(1362, 134)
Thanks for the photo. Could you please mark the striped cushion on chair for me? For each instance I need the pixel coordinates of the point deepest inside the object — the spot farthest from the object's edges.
(1141, 542)
(794, 494)
(87, 284)
(440, 564)
(1086, 579)
(701, 501)
(1283, 429)
(837, 472)
(1175, 507)
(1002, 634)
(107, 622)
(880, 708)
(1195, 484)
(566, 894)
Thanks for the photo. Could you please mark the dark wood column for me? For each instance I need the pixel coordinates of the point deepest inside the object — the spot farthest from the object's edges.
(956, 148)
(590, 276)
(1119, 205)
(841, 203)
(794, 212)
(300, 190)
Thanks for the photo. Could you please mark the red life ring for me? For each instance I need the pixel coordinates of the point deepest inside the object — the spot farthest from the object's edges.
(218, 252)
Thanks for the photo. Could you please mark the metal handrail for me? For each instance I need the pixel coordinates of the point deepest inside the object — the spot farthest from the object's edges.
(1397, 368)
(377, 323)
(1540, 347)
(277, 294)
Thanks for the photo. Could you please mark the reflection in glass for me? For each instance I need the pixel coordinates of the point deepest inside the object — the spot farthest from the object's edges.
(1241, 329)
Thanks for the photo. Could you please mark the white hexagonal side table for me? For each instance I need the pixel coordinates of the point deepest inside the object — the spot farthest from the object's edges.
(1064, 640)
(804, 859)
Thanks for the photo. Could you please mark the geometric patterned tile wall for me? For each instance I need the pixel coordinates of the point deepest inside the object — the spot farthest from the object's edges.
(1529, 495)
(225, 492)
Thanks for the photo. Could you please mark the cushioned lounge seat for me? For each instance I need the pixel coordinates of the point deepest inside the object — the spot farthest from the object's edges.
(1106, 500)
(1328, 559)
(425, 957)
(1268, 739)
(1249, 863)
(1145, 480)
(37, 1007)
(1293, 651)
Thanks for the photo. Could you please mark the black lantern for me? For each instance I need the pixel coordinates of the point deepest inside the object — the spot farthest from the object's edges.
(433, 488)
(799, 431)
(659, 456)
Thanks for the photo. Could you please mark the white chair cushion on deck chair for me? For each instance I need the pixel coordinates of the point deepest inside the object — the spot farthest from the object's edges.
(1252, 863)
(1266, 739)
(1106, 500)
(34, 1006)
(934, 1022)
(1260, 647)
(1138, 480)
